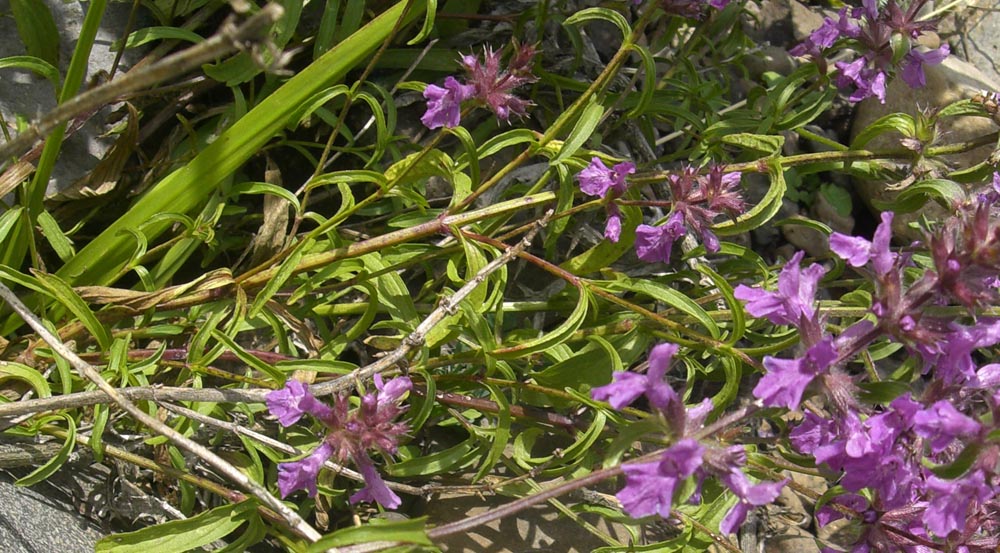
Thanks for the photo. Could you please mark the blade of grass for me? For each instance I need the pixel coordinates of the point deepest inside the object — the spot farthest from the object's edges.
(17, 246)
(187, 188)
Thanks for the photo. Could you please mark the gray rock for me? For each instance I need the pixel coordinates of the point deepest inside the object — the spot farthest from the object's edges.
(29, 96)
(36, 519)
(979, 37)
(948, 82)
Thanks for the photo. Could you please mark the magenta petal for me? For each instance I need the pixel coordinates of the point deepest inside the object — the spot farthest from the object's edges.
(942, 423)
(654, 244)
(625, 388)
(787, 379)
(734, 518)
(392, 391)
(595, 179)
(646, 491)
(294, 400)
(375, 488)
(302, 474)
(444, 105)
(856, 251)
(649, 487)
(613, 227)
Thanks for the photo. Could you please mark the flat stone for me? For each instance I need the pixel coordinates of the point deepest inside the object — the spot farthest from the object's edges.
(36, 520)
(978, 31)
(27, 95)
(947, 83)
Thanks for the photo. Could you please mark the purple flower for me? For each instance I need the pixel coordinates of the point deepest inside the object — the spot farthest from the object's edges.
(375, 488)
(867, 81)
(349, 434)
(827, 33)
(913, 70)
(392, 391)
(857, 251)
(812, 433)
(787, 379)
(596, 179)
(953, 363)
(942, 423)
(947, 509)
(649, 487)
(302, 474)
(444, 107)
(750, 496)
(702, 198)
(493, 87)
(654, 244)
(613, 227)
(827, 514)
(793, 301)
(294, 400)
(628, 386)
(991, 196)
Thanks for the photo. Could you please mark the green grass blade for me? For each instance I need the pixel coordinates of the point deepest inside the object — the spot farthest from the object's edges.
(187, 188)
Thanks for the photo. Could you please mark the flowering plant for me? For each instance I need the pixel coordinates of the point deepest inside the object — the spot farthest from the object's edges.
(639, 300)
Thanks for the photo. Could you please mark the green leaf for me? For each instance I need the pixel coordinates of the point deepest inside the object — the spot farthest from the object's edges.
(267, 188)
(327, 27)
(882, 392)
(957, 467)
(429, 12)
(962, 107)
(667, 295)
(38, 66)
(438, 462)
(188, 188)
(96, 441)
(556, 336)
(285, 272)
(735, 307)
(152, 34)
(181, 535)
(500, 435)
(251, 360)
(55, 236)
(411, 531)
(10, 369)
(604, 14)
(899, 122)
(947, 193)
(582, 131)
(37, 29)
(768, 144)
(765, 209)
(649, 80)
(69, 298)
(53, 464)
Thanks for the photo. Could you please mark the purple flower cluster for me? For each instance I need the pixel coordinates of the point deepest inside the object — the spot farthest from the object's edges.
(650, 486)
(597, 180)
(697, 200)
(873, 31)
(919, 469)
(487, 84)
(350, 434)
